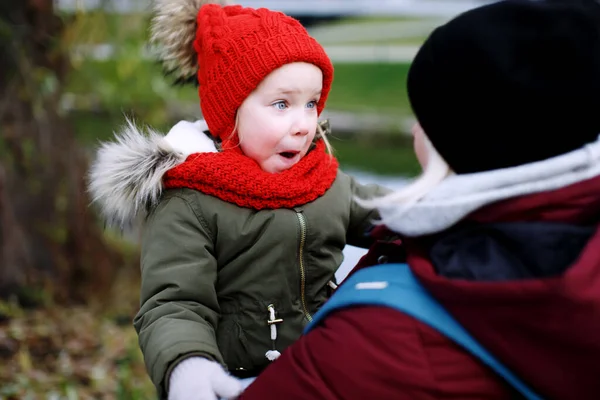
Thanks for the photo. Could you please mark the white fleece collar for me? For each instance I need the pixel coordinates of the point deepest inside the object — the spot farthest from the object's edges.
(189, 138)
(459, 195)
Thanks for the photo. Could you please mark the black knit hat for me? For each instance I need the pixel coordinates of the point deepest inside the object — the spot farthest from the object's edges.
(510, 83)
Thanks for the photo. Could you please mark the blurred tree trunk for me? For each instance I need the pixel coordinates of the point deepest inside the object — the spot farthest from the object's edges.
(49, 238)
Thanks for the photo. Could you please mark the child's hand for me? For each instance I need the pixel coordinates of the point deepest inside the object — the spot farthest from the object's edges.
(198, 378)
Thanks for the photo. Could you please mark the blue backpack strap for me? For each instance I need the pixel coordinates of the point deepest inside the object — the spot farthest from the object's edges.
(395, 286)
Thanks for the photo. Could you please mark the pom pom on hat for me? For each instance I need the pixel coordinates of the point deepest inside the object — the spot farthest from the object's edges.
(173, 30)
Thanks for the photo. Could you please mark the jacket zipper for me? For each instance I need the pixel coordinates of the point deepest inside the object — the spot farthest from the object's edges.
(302, 221)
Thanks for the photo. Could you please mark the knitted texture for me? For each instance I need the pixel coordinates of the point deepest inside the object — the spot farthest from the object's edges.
(237, 179)
(237, 48)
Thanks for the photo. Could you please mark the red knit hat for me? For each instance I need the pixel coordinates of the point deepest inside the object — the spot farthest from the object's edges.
(236, 48)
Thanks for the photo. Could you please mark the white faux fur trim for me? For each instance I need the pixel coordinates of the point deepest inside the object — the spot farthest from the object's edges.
(459, 195)
(126, 175)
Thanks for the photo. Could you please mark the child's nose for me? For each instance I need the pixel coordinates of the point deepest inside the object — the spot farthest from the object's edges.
(301, 132)
(302, 127)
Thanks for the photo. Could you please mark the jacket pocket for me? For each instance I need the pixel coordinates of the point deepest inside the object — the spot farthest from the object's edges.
(233, 345)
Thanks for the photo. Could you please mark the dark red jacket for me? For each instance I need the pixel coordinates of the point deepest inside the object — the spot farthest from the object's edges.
(541, 316)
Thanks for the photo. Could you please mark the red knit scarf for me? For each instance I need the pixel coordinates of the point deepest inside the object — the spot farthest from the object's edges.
(235, 178)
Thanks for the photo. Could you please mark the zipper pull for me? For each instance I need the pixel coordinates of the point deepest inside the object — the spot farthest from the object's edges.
(272, 322)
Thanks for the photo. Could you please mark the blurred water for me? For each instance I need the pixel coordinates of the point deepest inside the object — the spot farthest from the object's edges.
(353, 254)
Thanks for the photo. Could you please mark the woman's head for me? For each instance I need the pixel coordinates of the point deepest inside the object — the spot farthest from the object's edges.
(510, 83)
(231, 50)
(503, 85)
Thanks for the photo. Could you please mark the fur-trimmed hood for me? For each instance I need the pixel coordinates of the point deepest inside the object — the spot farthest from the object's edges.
(126, 175)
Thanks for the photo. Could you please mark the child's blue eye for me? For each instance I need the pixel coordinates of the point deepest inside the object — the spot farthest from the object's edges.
(280, 105)
(311, 104)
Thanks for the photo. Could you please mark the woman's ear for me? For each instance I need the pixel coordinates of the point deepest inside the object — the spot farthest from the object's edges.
(419, 144)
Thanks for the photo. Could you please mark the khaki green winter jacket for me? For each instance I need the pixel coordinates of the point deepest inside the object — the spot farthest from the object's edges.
(210, 269)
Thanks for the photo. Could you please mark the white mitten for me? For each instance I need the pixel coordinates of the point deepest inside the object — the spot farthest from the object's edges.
(189, 137)
(198, 378)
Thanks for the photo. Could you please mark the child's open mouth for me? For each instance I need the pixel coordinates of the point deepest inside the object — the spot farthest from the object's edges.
(288, 154)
